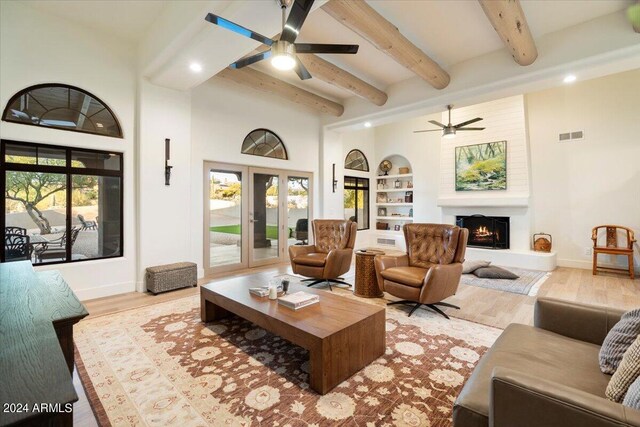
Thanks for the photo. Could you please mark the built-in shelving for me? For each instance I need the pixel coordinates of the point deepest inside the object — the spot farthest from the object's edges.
(391, 202)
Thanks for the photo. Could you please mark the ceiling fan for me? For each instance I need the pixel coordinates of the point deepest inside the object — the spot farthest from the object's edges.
(449, 131)
(283, 51)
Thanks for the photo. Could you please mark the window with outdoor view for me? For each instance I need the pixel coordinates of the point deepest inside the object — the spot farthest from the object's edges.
(356, 201)
(60, 204)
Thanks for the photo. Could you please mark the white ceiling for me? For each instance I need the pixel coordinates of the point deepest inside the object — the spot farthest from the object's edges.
(450, 31)
(127, 19)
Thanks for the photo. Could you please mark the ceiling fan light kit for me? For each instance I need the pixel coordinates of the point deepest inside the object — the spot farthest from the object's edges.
(283, 52)
(283, 55)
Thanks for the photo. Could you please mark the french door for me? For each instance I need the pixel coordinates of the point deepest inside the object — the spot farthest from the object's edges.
(252, 215)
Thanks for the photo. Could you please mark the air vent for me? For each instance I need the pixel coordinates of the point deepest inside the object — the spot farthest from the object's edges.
(386, 242)
(571, 136)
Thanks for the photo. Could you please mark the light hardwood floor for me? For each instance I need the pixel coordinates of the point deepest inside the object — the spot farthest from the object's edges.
(486, 306)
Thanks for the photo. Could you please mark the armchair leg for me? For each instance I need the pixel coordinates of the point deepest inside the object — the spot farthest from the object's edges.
(446, 304)
(431, 306)
(437, 310)
(316, 281)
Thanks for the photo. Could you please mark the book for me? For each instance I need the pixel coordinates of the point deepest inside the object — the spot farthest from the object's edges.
(298, 300)
(261, 292)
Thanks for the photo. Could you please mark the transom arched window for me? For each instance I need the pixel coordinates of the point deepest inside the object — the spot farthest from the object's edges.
(263, 142)
(62, 107)
(357, 161)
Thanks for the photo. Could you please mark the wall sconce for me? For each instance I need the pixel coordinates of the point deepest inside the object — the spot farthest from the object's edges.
(335, 181)
(167, 156)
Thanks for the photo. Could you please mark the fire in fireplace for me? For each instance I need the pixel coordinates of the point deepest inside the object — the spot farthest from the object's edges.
(486, 231)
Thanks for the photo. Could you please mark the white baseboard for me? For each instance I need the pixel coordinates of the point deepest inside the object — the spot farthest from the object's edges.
(105, 291)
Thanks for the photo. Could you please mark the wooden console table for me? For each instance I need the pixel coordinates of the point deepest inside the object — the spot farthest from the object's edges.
(37, 314)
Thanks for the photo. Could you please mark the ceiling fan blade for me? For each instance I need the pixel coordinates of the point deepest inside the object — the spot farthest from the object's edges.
(428, 130)
(251, 59)
(326, 48)
(459, 129)
(301, 71)
(437, 123)
(239, 29)
(468, 122)
(299, 11)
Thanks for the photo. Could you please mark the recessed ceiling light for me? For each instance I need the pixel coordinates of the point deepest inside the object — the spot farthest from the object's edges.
(195, 67)
(367, 124)
(569, 78)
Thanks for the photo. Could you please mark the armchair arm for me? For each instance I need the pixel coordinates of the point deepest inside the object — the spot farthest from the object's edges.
(382, 262)
(522, 400)
(441, 282)
(338, 262)
(297, 250)
(583, 322)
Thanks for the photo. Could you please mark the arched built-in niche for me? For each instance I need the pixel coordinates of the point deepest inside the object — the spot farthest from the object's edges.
(394, 194)
(265, 143)
(356, 160)
(61, 106)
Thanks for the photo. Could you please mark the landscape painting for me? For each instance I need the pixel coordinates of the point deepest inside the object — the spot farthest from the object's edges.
(481, 167)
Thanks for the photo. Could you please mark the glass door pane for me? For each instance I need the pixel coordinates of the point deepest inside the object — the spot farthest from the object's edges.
(225, 217)
(264, 218)
(298, 210)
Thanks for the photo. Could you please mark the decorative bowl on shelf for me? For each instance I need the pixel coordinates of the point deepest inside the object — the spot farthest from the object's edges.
(403, 170)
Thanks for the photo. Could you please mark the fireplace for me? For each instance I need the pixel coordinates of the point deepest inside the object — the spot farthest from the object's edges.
(490, 232)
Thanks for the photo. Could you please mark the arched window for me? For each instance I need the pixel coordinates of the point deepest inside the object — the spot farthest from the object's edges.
(357, 161)
(62, 107)
(263, 142)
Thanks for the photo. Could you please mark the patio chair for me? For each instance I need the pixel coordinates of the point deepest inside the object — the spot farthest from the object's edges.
(87, 225)
(301, 233)
(17, 247)
(57, 249)
(15, 230)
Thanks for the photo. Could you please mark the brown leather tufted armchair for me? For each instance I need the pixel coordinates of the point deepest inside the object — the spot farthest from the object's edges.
(431, 269)
(330, 255)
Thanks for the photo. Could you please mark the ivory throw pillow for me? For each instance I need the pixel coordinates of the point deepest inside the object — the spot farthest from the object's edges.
(469, 266)
(618, 340)
(628, 371)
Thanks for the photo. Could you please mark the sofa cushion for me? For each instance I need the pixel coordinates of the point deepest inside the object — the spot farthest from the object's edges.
(313, 259)
(628, 371)
(618, 340)
(412, 276)
(493, 272)
(469, 266)
(535, 351)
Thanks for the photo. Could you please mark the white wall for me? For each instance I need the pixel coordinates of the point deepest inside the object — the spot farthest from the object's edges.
(39, 48)
(165, 231)
(579, 185)
(222, 115)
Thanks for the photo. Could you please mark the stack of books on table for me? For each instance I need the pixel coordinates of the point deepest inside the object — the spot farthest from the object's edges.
(297, 300)
(261, 292)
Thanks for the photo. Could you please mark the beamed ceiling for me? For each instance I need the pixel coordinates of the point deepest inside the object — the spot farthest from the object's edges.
(440, 34)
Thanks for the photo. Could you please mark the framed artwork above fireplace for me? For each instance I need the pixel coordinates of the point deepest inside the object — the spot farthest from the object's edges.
(481, 167)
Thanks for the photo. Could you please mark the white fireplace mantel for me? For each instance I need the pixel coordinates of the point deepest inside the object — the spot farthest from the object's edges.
(485, 201)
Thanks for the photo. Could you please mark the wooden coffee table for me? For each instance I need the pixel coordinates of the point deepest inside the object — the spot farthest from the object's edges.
(342, 335)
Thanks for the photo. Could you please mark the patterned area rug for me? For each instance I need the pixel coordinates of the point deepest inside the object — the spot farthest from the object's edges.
(159, 365)
(528, 283)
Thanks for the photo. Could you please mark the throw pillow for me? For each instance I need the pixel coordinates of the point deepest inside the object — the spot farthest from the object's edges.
(469, 266)
(493, 272)
(626, 374)
(618, 341)
(632, 398)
